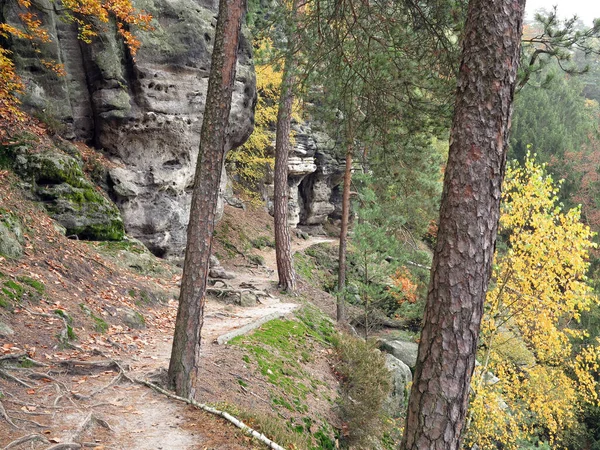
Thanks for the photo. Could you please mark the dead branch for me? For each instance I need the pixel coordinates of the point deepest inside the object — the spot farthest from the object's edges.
(8, 376)
(22, 440)
(85, 366)
(65, 446)
(5, 415)
(238, 423)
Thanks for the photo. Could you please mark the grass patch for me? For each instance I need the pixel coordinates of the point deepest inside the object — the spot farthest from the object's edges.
(281, 347)
(262, 242)
(35, 284)
(318, 265)
(292, 434)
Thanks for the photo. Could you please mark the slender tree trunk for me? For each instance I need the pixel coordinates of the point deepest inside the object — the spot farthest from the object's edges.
(468, 223)
(185, 354)
(283, 249)
(341, 306)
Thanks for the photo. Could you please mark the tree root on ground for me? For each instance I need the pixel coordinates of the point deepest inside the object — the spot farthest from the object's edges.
(28, 438)
(238, 423)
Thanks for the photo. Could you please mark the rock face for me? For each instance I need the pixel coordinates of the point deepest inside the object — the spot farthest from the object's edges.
(312, 174)
(401, 377)
(145, 113)
(58, 180)
(11, 235)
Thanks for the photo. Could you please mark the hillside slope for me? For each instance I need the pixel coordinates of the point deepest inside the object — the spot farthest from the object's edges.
(71, 309)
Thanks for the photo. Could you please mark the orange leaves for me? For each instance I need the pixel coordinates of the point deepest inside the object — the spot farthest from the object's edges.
(85, 13)
(407, 288)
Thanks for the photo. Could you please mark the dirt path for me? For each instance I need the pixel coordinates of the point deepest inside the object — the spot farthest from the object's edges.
(53, 402)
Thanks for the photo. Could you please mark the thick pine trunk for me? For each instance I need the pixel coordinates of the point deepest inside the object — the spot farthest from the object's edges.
(468, 223)
(341, 306)
(185, 354)
(283, 249)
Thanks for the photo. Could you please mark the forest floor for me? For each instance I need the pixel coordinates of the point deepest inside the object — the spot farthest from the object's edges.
(83, 324)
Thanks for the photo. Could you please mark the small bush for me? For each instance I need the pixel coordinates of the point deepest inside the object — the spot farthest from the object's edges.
(365, 385)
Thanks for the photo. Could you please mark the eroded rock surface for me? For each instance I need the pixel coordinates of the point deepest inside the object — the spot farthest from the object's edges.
(145, 113)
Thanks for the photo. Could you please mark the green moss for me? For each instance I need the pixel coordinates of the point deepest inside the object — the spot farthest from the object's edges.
(256, 259)
(35, 284)
(281, 347)
(112, 231)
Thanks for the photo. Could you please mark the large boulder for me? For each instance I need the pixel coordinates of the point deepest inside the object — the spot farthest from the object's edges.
(405, 351)
(401, 377)
(58, 181)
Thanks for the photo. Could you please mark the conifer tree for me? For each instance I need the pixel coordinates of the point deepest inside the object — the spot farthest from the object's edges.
(467, 229)
(185, 354)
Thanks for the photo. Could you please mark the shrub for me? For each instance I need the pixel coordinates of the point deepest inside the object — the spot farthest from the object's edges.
(365, 385)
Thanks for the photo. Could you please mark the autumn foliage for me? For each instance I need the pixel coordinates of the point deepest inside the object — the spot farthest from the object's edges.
(536, 376)
(90, 16)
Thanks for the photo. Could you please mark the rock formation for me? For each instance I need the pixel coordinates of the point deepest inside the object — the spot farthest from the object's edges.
(313, 172)
(145, 113)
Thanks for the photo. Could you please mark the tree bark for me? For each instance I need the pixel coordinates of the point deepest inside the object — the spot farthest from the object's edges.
(468, 223)
(185, 354)
(283, 249)
(340, 305)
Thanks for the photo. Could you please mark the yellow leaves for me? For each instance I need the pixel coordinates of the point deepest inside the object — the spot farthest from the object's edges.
(539, 288)
(250, 161)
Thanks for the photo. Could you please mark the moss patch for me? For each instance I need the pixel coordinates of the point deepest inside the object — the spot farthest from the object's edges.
(282, 347)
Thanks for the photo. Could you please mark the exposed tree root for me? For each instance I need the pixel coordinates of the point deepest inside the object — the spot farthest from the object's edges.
(8, 376)
(5, 415)
(76, 366)
(238, 423)
(65, 446)
(28, 438)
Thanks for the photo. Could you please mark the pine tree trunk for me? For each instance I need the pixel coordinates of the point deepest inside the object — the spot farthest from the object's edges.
(468, 223)
(185, 354)
(283, 249)
(341, 307)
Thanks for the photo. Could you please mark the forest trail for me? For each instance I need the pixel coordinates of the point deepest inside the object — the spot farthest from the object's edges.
(94, 406)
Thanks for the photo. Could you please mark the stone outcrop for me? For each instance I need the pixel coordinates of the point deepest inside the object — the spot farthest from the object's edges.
(312, 174)
(145, 113)
(401, 377)
(57, 180)
(11, 235)
(405, 351)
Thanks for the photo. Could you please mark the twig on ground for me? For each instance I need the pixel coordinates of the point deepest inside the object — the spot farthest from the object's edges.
(22, 440)
(114, 381)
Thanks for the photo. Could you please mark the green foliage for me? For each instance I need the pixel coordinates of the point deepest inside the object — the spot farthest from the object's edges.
(366, 384)
(262, 242)
(249, 163)
(555, 120)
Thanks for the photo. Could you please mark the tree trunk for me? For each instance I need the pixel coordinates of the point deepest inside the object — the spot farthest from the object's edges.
(341, 307)
(183, 368)
(468, 223)
(283, 249)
